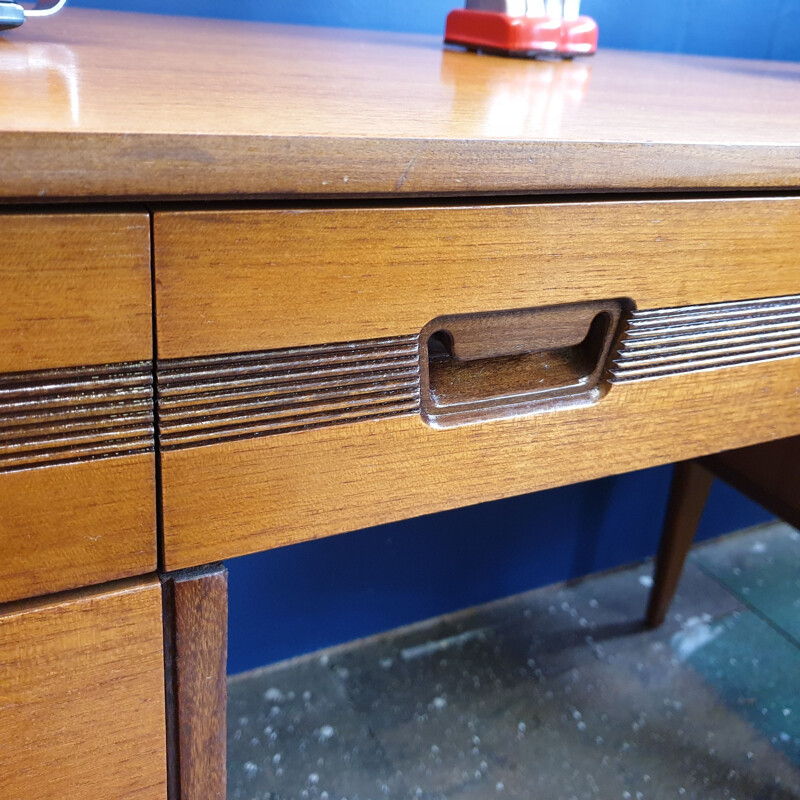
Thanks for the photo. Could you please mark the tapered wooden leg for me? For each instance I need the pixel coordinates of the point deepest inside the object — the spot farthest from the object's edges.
(687, 498)
(196, 642)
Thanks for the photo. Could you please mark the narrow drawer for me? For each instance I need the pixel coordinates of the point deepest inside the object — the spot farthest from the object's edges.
(77, 489)
(82, 696)
(322, 370)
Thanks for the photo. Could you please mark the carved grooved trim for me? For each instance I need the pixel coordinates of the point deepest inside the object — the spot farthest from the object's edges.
(246, 395)
(672, 341)
(59, 416)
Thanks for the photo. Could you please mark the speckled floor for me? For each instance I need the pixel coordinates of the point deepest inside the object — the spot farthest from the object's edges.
(556, 694)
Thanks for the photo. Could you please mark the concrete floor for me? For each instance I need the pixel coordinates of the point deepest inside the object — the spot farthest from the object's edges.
(556, 694)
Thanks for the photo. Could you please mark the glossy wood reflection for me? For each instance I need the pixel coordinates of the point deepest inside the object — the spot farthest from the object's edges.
(141, 105)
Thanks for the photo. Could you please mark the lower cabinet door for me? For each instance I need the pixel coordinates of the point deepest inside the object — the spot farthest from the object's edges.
(82, 696)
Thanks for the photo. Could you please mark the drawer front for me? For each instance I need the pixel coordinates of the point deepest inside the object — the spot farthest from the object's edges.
(82, 696)
(304, 387)
(77, 488)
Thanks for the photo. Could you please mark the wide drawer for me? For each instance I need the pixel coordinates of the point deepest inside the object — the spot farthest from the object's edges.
(77, 487)
(321, 370)
(82, 696)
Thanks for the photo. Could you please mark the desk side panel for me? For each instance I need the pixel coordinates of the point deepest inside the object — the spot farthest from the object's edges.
(82, 696)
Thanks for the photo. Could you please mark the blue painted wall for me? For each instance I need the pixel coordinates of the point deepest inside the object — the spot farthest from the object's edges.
(299, 599)
(763, 29)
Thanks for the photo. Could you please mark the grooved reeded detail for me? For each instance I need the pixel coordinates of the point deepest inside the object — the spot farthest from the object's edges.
(58, 416)
(240, 396)
(670, 341)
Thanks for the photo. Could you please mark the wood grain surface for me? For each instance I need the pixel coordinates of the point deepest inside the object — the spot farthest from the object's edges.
(672, 340)
(239, 280)
(82, 696)
(75, 385)
(101, 104)
(58, 416)
(238, 497)
(75, 525)
(203, 400)
(768, 473)
(482, 366)
(75, 289)
(688, 493)
(196, 616)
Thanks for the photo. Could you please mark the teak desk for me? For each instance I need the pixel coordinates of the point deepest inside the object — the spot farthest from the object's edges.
(263, 284)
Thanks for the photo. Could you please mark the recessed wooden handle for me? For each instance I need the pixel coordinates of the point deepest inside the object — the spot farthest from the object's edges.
(477, 336)
(479, 366)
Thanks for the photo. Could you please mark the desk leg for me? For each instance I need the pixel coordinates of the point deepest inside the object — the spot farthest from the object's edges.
(687, 497)
(196, 644)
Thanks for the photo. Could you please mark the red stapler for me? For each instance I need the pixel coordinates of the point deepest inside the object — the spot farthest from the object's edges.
(523, 28)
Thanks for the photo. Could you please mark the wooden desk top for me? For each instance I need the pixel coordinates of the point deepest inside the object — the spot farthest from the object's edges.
(105, 104)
